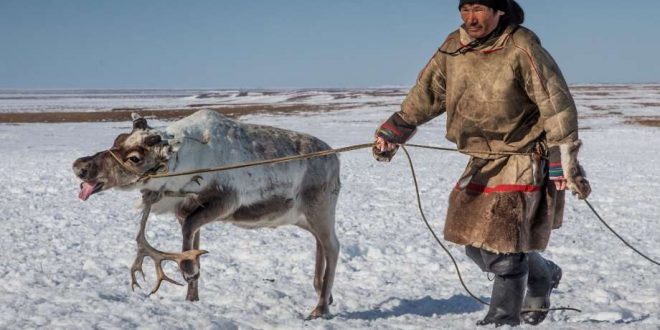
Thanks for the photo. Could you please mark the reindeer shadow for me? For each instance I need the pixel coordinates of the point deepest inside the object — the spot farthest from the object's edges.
(426, 307)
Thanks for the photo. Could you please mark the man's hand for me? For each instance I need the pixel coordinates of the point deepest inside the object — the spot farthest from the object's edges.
(384, 146)
(384, 150)
(565, 170)
(560, 184)
(389, 134)
(580, 187)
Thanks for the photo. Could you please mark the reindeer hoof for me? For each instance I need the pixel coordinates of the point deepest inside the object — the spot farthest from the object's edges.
(189, 270)
(319, 312)
(192, 296)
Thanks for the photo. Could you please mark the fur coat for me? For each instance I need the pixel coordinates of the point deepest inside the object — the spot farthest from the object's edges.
(504, 95)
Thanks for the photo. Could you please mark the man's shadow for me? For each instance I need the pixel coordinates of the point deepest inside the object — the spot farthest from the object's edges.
(426, 306)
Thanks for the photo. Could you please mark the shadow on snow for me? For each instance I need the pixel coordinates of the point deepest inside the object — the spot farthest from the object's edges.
(426, 307)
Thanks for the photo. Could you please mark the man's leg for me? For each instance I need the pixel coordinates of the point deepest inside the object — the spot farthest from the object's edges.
(544, 275)
(508, 287)
(475, 254)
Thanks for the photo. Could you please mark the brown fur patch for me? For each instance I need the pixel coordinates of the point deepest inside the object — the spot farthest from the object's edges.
(120, 139)
(273, 207)
(216, 199)
(499, 222)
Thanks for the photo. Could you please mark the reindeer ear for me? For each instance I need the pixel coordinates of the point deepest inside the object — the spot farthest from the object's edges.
(139, 122)
(152, 140)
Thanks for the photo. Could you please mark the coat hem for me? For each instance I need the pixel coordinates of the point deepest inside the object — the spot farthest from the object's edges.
(486, 247)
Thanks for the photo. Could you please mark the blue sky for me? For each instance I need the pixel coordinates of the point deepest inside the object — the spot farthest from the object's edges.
(295, 43)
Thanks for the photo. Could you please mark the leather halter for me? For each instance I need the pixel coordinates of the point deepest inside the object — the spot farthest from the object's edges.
(133, 171)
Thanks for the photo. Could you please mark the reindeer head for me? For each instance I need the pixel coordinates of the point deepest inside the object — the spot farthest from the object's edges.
(132, 155)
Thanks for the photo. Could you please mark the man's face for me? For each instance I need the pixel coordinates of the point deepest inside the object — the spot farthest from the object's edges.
(480, 20)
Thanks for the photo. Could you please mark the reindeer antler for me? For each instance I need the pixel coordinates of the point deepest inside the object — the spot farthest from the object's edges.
(146, 250)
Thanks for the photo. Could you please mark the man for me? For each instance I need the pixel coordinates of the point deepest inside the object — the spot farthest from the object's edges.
(503, 93)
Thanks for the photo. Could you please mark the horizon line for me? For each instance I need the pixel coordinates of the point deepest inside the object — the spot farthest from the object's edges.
(270, 88)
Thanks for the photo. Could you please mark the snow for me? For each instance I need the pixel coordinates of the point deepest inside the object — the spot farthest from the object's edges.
(66, 263)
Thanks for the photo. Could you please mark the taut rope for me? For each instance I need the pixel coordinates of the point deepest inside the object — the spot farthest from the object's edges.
(458, 271)
(147, 176)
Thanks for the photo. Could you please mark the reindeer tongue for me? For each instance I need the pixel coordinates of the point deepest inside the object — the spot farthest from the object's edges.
(86, 190)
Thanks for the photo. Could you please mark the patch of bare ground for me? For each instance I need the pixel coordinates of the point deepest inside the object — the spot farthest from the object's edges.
(385, 92)
(345, 96)
(198, 105)
(127, 109)
(373, 93)
(595, 93)
(215, 95)
(270, 93)
(650, 88)
(380, 103)
(587, 88)
(124, 114)
(647, 104)
(608, 114)
(597, 107)
(651, 121)
(298, 98)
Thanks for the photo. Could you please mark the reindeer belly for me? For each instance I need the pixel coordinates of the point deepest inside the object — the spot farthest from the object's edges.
(267, 197)
(272, 212)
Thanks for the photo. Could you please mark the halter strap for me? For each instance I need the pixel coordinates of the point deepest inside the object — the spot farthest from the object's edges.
(124, 166)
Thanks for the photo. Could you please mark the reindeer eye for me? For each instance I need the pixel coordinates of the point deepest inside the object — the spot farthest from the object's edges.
(134, 159)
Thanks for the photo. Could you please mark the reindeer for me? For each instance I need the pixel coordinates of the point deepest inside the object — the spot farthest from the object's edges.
(301, 193)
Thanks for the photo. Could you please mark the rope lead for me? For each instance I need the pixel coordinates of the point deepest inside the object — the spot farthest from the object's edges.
(145, 177)
(619, 236)
(458, 271)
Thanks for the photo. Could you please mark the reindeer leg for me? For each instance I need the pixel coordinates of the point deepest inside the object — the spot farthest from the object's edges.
(319, 268)
(145, 249)
(327, 253)
(193, 286)
(190, 227)
(330, 246)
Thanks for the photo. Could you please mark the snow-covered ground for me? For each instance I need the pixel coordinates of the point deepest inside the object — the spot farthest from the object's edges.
(65, 263)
